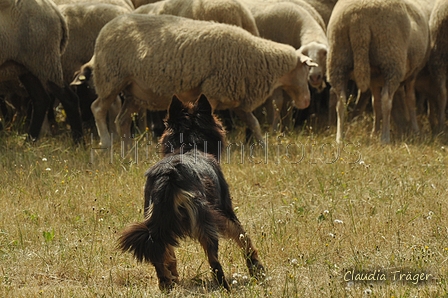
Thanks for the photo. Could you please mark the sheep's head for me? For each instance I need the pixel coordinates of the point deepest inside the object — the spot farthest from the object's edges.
(318, 53)
(84, 76)
(83, 86)
(295, 82)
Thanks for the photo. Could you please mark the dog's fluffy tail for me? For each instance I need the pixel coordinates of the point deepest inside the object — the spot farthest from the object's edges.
(137, 239)
(173, 217)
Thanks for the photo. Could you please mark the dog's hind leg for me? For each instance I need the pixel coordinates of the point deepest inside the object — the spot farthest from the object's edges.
(210, 245)
(164, 274)
(235, 231)
(171, 262)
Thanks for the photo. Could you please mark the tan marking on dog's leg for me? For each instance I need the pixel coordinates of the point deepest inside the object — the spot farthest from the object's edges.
(235, 231)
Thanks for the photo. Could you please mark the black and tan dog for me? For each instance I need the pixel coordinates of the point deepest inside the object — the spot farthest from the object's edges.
(186, 194)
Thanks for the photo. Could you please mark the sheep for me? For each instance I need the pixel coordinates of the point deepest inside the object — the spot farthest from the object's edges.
(289, 23)
(323, 7)
(223, 11)
(379, 44)
(157, 56)
(138, 3)
(84, 21)
(302, 3)
(123, 3)
(33, 36)
(438, 63)
(231, 12)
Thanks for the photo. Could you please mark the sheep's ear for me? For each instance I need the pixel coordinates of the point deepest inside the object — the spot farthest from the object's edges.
(176, 108)
(305, 59)
(81, 76)
(203, 105)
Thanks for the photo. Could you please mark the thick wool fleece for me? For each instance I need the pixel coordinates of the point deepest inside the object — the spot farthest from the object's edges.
(173, 55)
(388, 37)
(231, 12)
(84, 21)
(34, 34)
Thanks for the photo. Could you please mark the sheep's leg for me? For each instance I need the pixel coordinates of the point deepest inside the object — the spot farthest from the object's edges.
(70, 102)
(340, 110)
(276, 105)
(41, 103)
(377, 114)
(400, 112)
(100, 108)
(386, 107)
(210, 246)
(251, 122)
(332, 102)
(4, 109)
(411, 104)
(442, 102)
(124, 119)
(361, 103)
(155, 121)
(112, 114)
(235, 231)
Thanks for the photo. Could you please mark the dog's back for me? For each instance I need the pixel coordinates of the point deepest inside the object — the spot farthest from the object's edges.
(182, 189)
(186, 195)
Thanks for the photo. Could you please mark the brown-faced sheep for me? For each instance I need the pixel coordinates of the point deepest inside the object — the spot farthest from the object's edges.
(380, 44)
(158, 56)
(290, 23)
(84, 21)
(33, 35)
(438, 63)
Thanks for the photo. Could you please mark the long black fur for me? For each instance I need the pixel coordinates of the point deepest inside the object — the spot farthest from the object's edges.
(186, 195)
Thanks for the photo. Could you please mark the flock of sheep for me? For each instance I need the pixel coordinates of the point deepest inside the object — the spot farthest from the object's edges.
(121, 57)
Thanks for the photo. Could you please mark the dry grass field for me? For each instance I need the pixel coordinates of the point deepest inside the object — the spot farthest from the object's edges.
(321, 217)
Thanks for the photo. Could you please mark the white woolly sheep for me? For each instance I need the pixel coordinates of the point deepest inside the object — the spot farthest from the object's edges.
(438, 63)
(289, 23)
(379, 44)
(157, 56)
(323, 7)
(292, 24)
(231, 12)
(302, 3)
(123, 3)
(33, 36)
(84, 21)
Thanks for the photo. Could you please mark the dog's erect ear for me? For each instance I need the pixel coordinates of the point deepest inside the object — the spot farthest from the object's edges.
(176, 108)
(203, 105)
